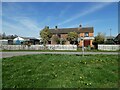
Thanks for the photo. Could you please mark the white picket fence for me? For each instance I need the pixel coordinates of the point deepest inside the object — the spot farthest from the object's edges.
(38, 47)
(109, 47)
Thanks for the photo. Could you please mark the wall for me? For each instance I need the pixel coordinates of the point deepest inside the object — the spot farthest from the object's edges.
(91, 41)
(109, 47)
(52, 40)
(81, 34)
(90, 34)
(38, 47)
(64, 36)
(81, 43)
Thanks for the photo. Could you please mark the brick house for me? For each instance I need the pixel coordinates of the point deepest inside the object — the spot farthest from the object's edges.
(85, 34)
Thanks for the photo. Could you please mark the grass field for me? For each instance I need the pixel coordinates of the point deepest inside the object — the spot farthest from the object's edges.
(60, 71)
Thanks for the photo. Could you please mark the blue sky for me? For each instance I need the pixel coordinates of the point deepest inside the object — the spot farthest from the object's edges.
(28, 18)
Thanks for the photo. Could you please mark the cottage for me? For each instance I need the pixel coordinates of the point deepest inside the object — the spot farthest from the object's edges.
(85, 35)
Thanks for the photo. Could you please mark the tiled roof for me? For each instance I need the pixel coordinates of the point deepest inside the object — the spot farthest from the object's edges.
(67, 30)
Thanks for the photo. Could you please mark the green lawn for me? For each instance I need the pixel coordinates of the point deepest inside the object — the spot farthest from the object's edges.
(60, 71)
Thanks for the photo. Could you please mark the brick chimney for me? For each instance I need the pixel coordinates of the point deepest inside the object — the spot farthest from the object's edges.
(80, 25)
(56, 27)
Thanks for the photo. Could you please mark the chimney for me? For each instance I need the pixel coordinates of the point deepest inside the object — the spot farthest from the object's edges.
(80, 25)
(55, 27)
(48, 27)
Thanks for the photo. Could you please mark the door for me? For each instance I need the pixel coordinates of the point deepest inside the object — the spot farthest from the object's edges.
(86, 43)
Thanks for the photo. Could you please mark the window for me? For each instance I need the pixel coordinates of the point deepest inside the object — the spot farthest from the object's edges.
(86, 34)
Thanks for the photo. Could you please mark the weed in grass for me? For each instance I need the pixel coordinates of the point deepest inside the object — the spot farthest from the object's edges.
(57, 71)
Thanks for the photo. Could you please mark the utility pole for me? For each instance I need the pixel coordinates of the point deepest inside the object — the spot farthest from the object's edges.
(83, 47)
(110, 32)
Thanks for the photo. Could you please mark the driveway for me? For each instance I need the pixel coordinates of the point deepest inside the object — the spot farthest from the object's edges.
(11, 54)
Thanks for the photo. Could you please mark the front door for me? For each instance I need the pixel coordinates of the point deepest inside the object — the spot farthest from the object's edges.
(86, 43)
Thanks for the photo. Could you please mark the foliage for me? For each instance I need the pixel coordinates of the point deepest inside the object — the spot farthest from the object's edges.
(45, 35)
(4, 36)
(99, 39)
(62, 41)
(58, 71)
(72, 37)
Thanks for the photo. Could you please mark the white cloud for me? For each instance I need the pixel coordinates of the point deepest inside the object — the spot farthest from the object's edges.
(46, 21)
(90, 23)
(23, 26)
(31, 25)
(90, 10)
(10, 28)
(64, 11)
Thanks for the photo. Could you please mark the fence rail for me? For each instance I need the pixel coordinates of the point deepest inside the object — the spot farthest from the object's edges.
(109, 47)
(38, 47)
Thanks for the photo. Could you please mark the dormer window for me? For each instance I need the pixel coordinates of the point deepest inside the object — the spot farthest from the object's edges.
(86, 34)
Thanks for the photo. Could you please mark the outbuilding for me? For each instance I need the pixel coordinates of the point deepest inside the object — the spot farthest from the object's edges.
(18, 40)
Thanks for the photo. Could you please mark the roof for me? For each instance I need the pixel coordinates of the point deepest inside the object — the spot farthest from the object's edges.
(25, 38)
(18, 38)
(109, 37)
(117, 38)
(67, 30)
